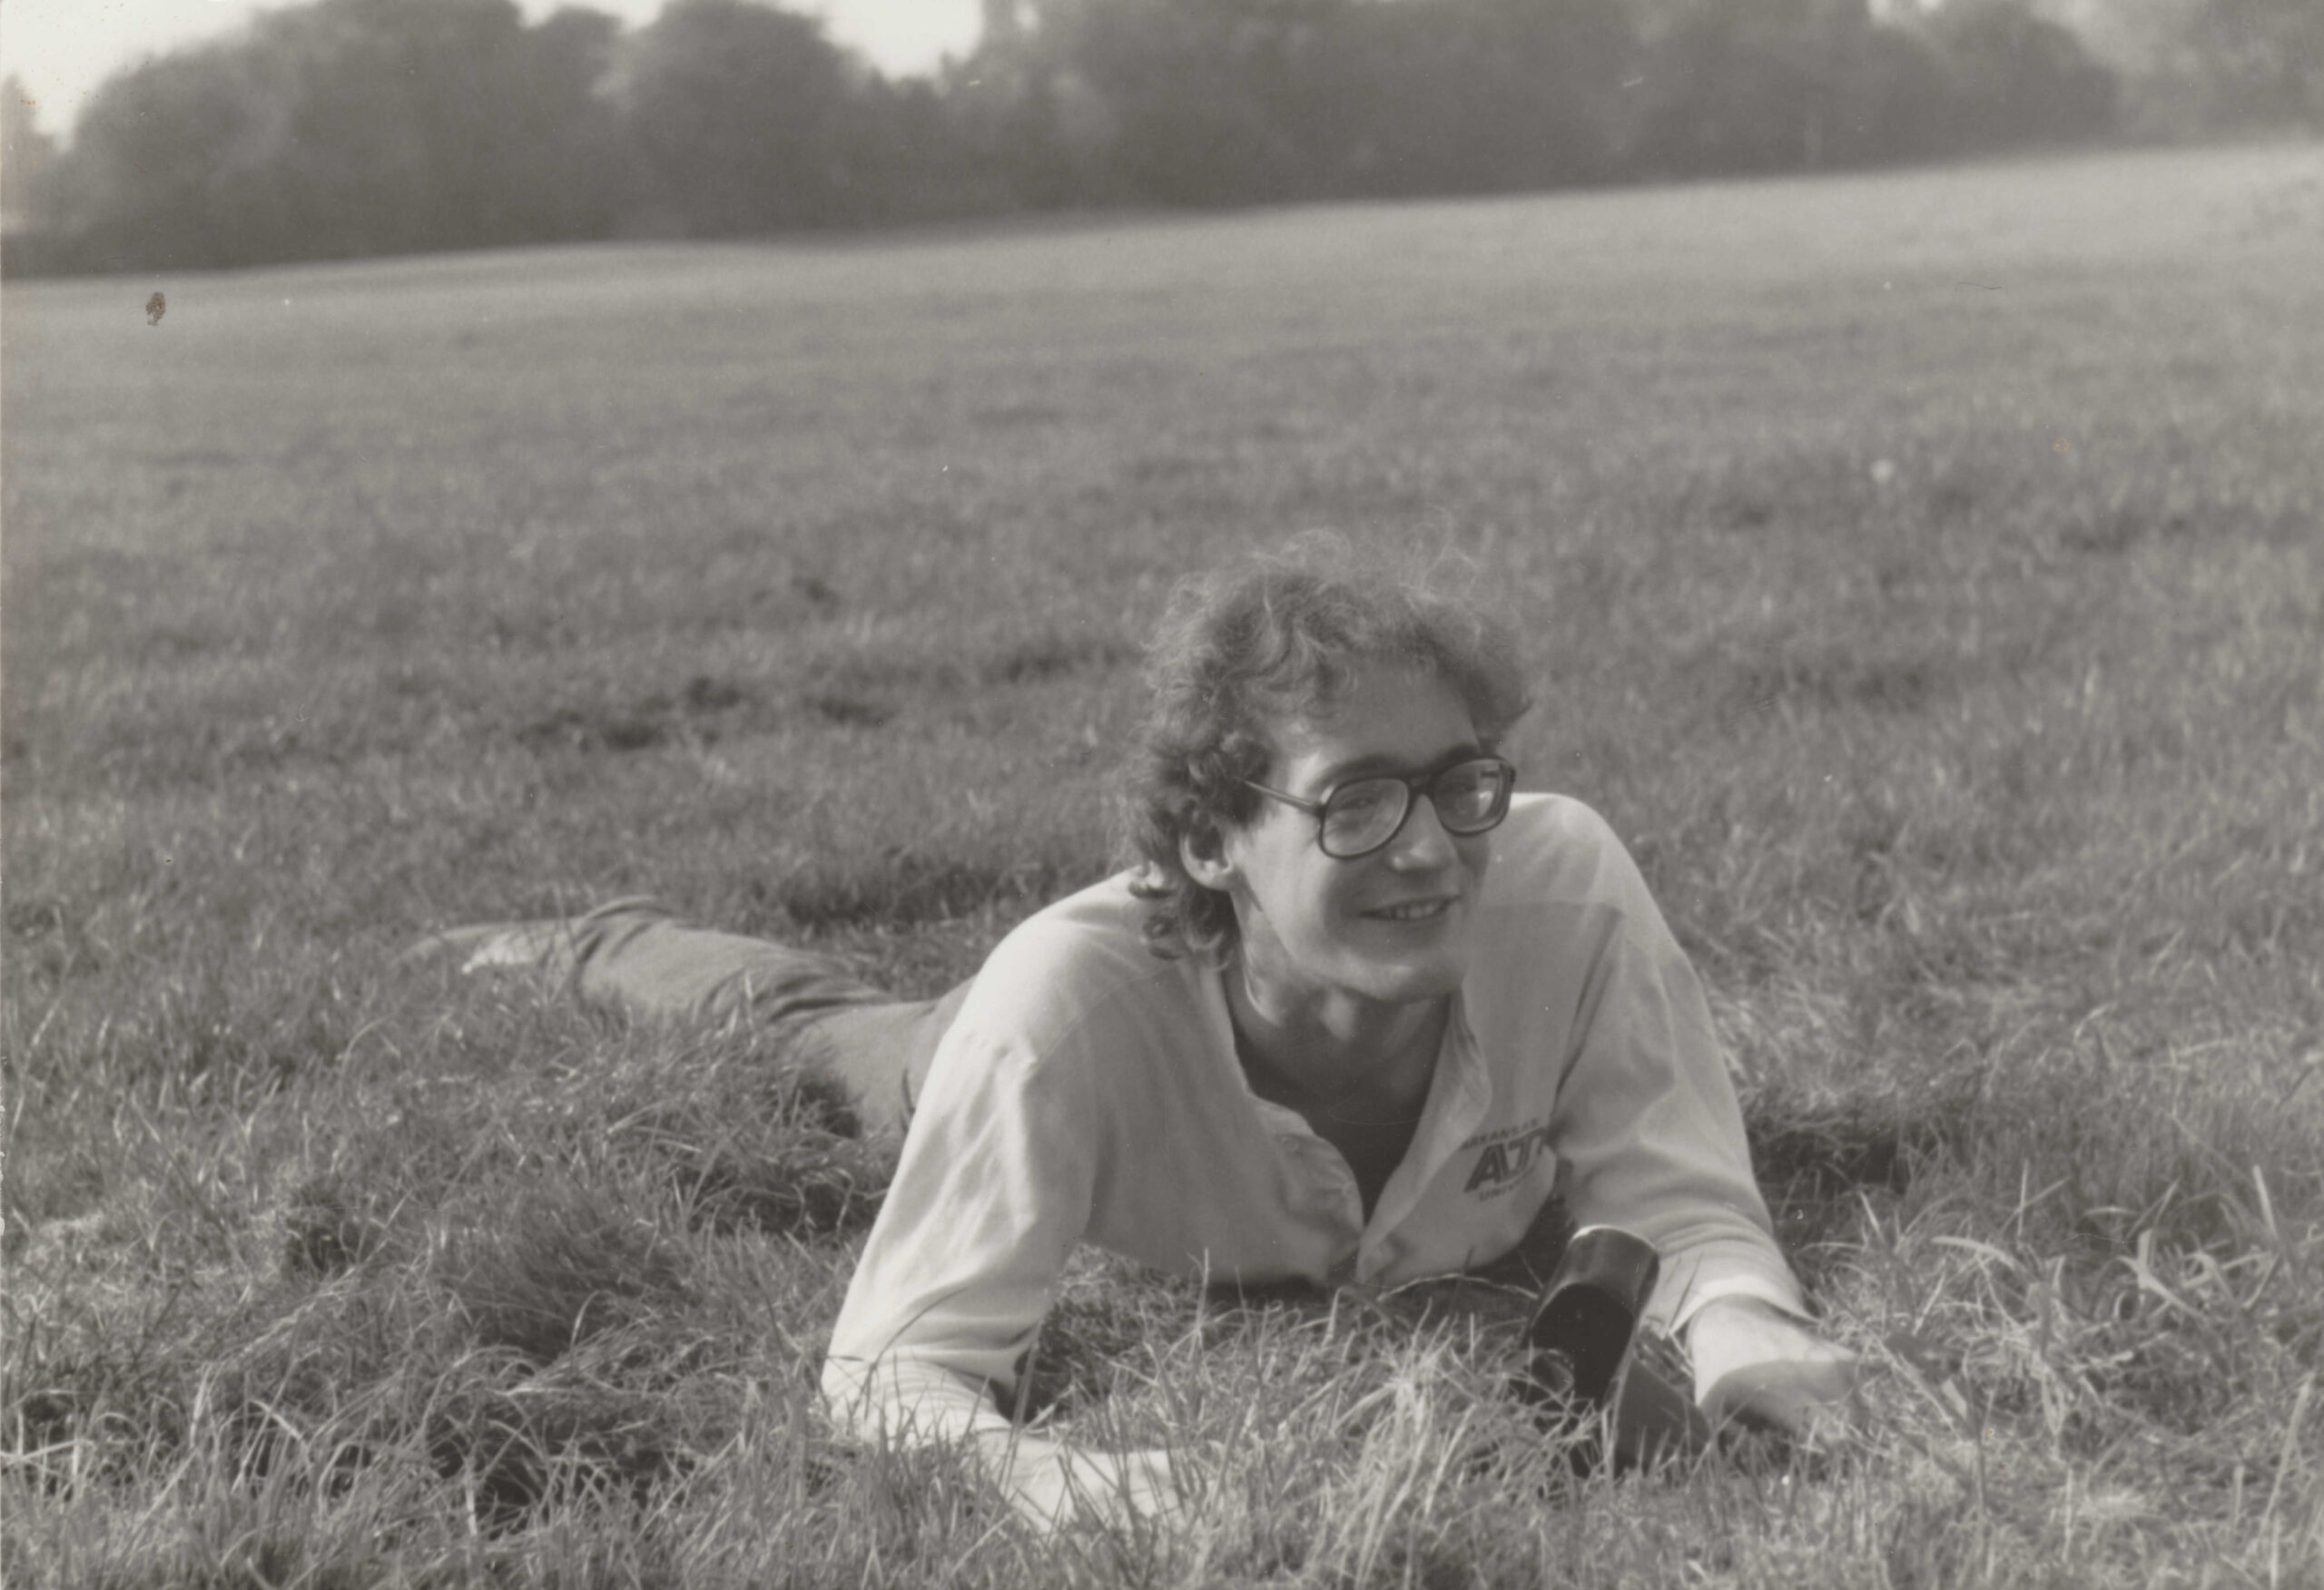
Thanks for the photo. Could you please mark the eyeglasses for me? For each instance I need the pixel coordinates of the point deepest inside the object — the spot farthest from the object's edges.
(1364, 814)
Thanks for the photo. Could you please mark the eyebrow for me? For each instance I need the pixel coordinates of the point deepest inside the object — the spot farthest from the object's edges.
(1374, 764)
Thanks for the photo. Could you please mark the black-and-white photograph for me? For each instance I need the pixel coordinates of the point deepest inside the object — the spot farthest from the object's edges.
(1291, 793)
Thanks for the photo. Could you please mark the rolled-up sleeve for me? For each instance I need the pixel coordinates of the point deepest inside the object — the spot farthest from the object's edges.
(1647, 1122)
(991, 1194)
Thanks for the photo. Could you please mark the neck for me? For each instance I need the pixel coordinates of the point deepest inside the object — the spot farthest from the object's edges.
(1337, 1049)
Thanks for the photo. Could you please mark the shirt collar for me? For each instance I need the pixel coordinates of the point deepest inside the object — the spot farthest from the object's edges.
(1460, 1095)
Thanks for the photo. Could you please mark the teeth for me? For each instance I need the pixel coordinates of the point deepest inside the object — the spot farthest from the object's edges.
(1413, 913)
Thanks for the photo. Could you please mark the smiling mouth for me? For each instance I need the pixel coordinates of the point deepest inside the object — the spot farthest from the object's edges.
(1413, 911)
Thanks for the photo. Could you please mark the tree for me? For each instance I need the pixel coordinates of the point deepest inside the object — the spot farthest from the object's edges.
(1786, 84)
(1757, 85)
(348, 127)
(151, 178)
(563, 153)
(2018, 78)
(1430, 96)
(1212, 102)
(2260, 62)
(744, 120)
(2189, 67)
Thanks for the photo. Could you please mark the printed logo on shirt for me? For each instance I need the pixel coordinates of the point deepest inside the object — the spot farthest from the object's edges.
(1505, 1156)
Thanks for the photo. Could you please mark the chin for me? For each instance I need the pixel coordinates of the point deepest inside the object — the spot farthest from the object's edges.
(1403, 973)
(1412, 982)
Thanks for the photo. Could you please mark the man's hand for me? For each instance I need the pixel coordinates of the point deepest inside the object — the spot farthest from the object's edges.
(1759, 1367)
(1052, 1484)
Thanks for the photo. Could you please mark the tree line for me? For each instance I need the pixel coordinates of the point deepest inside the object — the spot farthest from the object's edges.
(343, 128)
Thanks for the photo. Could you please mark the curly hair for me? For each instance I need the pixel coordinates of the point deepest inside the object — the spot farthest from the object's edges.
(1281, 636)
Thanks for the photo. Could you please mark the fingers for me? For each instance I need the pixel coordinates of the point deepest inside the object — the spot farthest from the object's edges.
(1779, 1412)
(1051, 1486)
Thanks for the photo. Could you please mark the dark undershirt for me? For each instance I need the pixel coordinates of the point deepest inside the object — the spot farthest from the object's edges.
(1374, 1143)
(1372, 1152)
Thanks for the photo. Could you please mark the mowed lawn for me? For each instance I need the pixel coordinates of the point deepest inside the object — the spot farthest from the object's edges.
(1924, 573)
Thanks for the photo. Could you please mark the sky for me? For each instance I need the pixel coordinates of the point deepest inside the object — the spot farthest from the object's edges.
(60, 50)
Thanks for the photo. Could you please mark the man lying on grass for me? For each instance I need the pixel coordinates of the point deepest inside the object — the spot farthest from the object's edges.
(1354, 1014)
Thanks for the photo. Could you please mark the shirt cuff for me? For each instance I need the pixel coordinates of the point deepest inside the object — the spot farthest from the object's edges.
(906, 1403)
(1706, 1275)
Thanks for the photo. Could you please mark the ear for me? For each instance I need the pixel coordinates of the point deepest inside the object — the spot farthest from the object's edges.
(1202, 851)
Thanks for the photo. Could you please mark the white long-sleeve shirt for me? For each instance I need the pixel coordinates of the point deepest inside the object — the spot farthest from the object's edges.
(1088, 1091)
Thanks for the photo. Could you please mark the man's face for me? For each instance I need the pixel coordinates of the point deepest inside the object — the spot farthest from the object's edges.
(1391, 927)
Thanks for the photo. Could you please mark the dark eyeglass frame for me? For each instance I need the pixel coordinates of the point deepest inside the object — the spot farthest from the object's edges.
(1414, 785)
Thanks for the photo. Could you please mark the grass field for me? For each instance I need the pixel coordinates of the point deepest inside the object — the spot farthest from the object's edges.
(1924, 572)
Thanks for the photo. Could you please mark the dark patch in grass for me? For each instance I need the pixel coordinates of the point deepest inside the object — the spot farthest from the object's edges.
(1827, 679)
(1090, 1331)
(592, 728)
(1029, 660)
(163, 645)
(1427, 1563)
(848, 711)
(2119, 530)
(63, 1383)
(704, 695)
(816, 591)
(519, 1448)
(211, 1033)
(902, 888)
(738, 1128)
(2105, 535)
(555, 1270)
(325, 1229)
(777, 1152)
(697, 711)
(1015, 415)
(805, 1188)
(49, 939)
(272, 743)
(39, 1421)
(1951, 501)
(1820, 1160)
(1811, 1158)
(1051, 658)
(860, 693)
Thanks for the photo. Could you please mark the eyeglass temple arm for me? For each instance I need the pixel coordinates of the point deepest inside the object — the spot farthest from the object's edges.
(1312, 808)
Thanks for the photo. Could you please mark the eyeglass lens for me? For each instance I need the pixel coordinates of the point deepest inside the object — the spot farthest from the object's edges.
(1362, 815)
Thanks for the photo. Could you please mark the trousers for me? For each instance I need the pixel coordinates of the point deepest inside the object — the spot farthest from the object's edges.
(637, 956)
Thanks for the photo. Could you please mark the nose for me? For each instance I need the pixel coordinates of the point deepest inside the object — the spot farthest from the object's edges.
(1423, 843)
